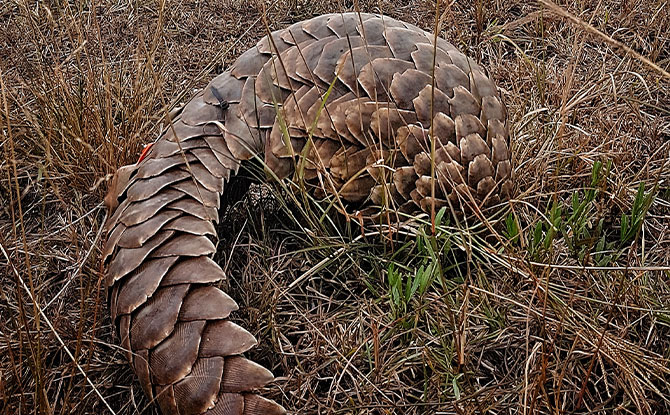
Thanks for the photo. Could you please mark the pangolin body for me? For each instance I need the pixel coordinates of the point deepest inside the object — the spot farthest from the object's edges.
(365, 102)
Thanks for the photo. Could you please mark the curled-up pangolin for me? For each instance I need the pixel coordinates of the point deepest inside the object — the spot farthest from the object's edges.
(392, 99)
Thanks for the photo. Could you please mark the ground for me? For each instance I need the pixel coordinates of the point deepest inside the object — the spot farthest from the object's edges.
(567, 312)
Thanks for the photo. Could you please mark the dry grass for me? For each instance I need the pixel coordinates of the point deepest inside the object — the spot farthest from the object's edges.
(573, 320)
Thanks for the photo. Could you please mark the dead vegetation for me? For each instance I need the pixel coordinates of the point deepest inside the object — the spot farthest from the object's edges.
(570, 315)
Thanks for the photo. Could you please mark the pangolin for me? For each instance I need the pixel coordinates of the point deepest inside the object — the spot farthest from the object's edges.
(373, 111)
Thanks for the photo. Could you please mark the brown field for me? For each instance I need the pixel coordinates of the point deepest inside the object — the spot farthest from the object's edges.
(571, 316)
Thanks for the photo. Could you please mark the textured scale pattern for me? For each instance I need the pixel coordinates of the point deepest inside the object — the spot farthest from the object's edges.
(369, 145)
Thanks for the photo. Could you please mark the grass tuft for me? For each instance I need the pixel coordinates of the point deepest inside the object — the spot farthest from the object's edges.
(567, 313)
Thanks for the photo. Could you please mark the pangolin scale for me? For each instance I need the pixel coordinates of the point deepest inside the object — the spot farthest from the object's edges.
(395, 100)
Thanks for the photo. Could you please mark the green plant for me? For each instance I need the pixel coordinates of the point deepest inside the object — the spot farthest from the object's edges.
(545, 232)
(631, 224)
(511, 231)
(583, 227)
(581, 224)
(410, 283)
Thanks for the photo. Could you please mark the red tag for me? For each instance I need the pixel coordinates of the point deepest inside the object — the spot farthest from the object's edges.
(144, 152)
